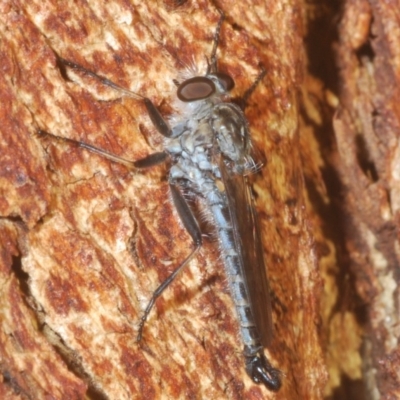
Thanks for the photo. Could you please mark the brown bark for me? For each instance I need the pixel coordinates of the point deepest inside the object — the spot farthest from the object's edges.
(357, 202)
(367, 132)
(85, 241)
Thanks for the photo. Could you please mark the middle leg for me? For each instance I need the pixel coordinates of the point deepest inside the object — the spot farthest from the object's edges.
(146, 162)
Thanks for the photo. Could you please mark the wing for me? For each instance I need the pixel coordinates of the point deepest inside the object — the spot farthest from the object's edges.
(249, 246)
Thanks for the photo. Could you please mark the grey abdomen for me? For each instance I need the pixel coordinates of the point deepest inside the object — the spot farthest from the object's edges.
(233, 265)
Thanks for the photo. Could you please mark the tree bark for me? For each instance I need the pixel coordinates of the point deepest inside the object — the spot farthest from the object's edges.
(367, 132)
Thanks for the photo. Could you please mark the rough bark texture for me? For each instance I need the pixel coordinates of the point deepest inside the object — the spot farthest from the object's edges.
(359, 208)
(367, 129)
(84, 242)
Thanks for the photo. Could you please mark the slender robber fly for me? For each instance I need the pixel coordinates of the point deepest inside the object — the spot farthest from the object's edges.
(210, 151)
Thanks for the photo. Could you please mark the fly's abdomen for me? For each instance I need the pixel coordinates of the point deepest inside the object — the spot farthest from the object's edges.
(232, 257)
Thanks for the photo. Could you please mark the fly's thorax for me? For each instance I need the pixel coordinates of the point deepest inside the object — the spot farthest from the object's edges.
(199, 139)
(191, 152)
(191, 136)
(188, 113)
(232, 134)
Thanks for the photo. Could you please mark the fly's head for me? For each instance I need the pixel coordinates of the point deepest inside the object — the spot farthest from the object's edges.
(207, 87)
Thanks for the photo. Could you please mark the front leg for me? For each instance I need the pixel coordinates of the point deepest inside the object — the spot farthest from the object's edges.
(156, 118)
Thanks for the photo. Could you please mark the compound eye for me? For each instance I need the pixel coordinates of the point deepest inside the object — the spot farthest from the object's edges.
(226, 81)
(197, 88)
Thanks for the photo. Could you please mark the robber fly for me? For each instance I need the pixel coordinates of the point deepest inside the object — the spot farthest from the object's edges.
(210, 151)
